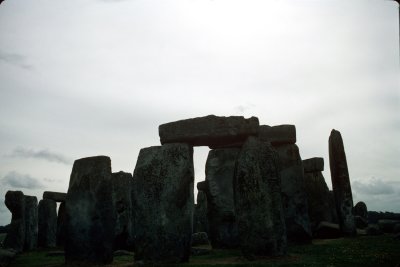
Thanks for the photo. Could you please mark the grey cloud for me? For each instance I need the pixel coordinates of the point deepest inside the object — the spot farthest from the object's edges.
(373, 187)
(15, 59)
(244, 108)
(40, 154)
(18, 180)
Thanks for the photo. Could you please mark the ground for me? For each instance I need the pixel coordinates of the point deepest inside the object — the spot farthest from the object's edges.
(363, 251)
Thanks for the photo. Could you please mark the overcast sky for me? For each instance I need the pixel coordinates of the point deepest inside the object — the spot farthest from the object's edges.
(82, 78)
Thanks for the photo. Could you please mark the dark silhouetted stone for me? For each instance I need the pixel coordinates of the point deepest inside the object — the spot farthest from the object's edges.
(31, 222)
(258, 202)
(200, 219)
(122, 184)
(360, 209)
(332, 208)
(163, 199)
(60, 237)
(220, 168)
(327, 230)
(294, 195)
(15, 239)
(56, 196)
(361, 223)
(200, 238)
(212, 131)
(278, 135)
(341, 184)
(313, 165)
(47, 232)
(319, 208)
(90, 212)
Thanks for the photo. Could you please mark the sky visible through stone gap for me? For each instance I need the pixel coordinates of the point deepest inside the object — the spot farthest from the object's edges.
(97, 77)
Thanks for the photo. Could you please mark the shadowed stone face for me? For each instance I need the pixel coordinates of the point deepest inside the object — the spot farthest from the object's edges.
(56, 196)
(31, 222)
(220, 168)
(90, 212)
(15, 202)
(341, 184)
(200, 219)
(61, 225)
(47, 213)
(258, 203)
(122, 184)
(209, 131)
(162, 194)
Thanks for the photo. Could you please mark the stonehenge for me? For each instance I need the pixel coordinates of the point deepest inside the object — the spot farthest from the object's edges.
(341, 184)
(47, 224)
(283, 138)
(89, 212)
(258, 196)
(162, 194)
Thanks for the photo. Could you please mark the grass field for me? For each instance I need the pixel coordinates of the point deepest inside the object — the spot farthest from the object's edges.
(380, 251)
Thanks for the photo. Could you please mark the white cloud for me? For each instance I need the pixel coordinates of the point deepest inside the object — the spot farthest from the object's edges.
(21, 181)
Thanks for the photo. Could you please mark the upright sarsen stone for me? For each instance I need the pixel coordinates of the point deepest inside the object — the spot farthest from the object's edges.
(162, 194)
(220, 169)
(90, 212)
(60, 239)
(341, 184)
(31, 222)
(15, 238)
(47, 227)
(122, 185)
(200, 219)
(258, 203)
(212, 131)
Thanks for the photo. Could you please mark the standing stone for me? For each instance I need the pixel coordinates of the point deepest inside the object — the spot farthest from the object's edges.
(61, 225)
(200, 219)
(283, 139)
(15, 238)
(90, 212)
(317, 192)
(47, 213)
(293, 194)
(341, 184)
(258, 202)
(31, 222)
(123, 206)
(332, 207)
(162, 194)
(212, 131)
(220, 169)
(361, 215)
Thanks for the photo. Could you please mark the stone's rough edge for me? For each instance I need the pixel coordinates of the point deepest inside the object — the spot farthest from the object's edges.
(213, 131)
(341, 183)
(56, 196)
(315, 164)
(278, 134)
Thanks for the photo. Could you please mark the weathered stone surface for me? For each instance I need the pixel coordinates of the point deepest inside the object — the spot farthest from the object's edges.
(360, 209)
(15, 239)
(278, 135)
(90, 212)
(200, 219)
(6, 257)
(220, 168)
(327, 230)
(319, 208)
(313, 165)
(200, 238)
(31, 222)
(332, 206)
(162, 194)
(56, 196)
(212, 131)
(293, 194)
(258, 202)
(60, 237)
(361, 223)
(341, 184)
(122, 185)
(47, 223)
